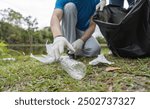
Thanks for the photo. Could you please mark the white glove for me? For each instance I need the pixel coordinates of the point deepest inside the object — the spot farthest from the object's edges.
(58, 47)
(78, 44)
(101, 5)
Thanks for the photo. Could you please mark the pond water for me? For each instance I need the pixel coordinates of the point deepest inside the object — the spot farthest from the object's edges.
(41, 49)
(28, 49)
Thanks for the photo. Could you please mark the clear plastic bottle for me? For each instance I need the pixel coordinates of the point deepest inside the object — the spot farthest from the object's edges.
(75, 69)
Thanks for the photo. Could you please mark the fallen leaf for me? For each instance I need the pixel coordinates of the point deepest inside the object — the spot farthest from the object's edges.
(110, 69)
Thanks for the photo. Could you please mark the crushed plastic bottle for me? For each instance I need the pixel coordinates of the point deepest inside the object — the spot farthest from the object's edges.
(75, 69)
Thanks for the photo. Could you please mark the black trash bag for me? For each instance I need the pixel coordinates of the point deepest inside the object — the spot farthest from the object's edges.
(127, 31)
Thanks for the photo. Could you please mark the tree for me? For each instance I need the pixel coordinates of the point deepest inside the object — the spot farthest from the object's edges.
(31, 27)
(15, 28)
(11, 34)
(46, 34)
(11, 16)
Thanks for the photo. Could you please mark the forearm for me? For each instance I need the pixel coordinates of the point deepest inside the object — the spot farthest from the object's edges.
(55, 22)
(88, 33)
(55, 27)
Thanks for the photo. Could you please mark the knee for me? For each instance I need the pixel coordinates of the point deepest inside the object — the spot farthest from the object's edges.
(70, 7)
(94, 51)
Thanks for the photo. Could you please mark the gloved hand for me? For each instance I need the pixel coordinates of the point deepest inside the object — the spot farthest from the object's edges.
(78, 44)
(58, 47)
(101, 5)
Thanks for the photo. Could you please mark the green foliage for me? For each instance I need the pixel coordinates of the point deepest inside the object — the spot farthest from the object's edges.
(16, 35)
(5, 52)
(12, 32)
(3, 49)
(46, 34)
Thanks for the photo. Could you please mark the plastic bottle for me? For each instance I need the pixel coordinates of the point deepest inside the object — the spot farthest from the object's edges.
(74, 68)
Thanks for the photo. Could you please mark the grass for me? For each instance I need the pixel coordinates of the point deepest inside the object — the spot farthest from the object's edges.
(26, 74)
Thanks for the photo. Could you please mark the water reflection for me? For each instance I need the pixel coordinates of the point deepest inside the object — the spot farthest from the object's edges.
(27, 49)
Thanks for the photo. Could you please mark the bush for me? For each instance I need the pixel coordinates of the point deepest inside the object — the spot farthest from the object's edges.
(3, 48)
(5, 52)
